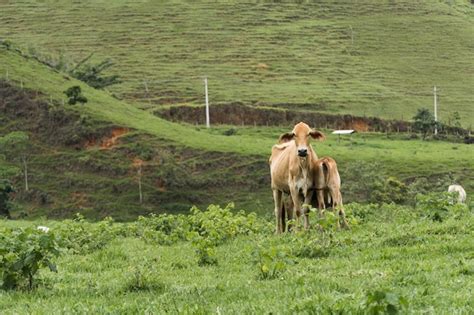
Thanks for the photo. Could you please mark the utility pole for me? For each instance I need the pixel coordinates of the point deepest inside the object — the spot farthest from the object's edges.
(208, 122)
(435, 111)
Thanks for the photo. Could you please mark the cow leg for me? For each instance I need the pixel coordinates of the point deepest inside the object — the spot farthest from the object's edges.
(283, 216)
(277, 198)
(296, 206)
(333, 203)
(340, 209)
(306, 207)
(321, 202)
(289, 212)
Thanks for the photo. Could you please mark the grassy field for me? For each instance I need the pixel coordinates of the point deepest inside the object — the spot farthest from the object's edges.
(366, 58)
(393, 256)
(363, 58)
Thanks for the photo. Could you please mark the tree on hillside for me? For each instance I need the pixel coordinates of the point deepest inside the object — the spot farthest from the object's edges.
(424, 122)
(92, 74)
(16, 146)
(74, 94)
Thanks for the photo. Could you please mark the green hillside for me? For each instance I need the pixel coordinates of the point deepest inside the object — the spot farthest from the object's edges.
(365, 58)
(184, 164)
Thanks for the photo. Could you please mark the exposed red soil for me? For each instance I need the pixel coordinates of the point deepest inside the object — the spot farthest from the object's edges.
(239, 114)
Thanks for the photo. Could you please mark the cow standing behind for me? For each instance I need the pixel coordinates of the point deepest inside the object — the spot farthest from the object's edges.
(327, 184)
(461, 192)
(291, 165)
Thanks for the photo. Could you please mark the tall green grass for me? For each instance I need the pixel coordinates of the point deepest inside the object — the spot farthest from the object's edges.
(392, 253)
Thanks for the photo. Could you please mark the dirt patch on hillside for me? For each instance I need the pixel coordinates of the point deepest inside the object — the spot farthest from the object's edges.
(49, 121)
(239, 114)
(108, 140)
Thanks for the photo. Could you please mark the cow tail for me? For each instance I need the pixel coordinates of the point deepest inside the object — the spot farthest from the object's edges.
(326, 170)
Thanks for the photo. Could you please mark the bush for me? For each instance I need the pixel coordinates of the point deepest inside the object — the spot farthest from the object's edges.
(164, 229)
(212, 227)
(272, 261)
(378, 212)
(382, 302)
(82, 237)
(143, 277)
(309, 246)
(424, 122)
(22, 253)
(220, 224)
(205, 249)
(74, 94)
(204, 229)
(389, 190)
(92, 73)
(230, 132)
(364, 180)
(439, 206)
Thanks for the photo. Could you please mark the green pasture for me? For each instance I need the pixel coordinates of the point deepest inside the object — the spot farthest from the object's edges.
(366, 58)
(392, 256)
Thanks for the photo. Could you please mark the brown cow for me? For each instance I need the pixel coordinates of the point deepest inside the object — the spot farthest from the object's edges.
(291, 171)
(327, 183)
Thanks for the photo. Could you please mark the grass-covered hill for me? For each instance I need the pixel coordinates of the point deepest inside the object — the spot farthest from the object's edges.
(82, 157)
(366, 58)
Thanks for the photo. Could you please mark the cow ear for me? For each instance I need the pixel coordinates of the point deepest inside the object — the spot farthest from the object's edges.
(286, 137)
(317, 135)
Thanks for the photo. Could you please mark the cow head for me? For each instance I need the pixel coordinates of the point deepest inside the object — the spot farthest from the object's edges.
(301, 134)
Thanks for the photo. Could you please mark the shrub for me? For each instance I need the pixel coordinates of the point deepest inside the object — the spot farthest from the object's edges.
(22, 253)
(205, 248)
(382, 302)
(230, 132)
(439, 206)
(220, 224)
(81, 237)
(74, 94)
(309, 246)
(424, 122)
(212, 227)
(389, 190)
(204, 229)
(92, 73)
(143, 277)
(162, 229)
(273, 261)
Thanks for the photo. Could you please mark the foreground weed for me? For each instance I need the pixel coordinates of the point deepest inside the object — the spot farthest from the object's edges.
(384, 302)
(143, 277)
(22, 253)
(272, 261)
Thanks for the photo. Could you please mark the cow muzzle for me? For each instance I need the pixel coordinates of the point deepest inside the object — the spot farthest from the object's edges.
(302, 152)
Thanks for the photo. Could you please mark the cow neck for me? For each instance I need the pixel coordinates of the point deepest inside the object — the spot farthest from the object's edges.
(305, 164)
